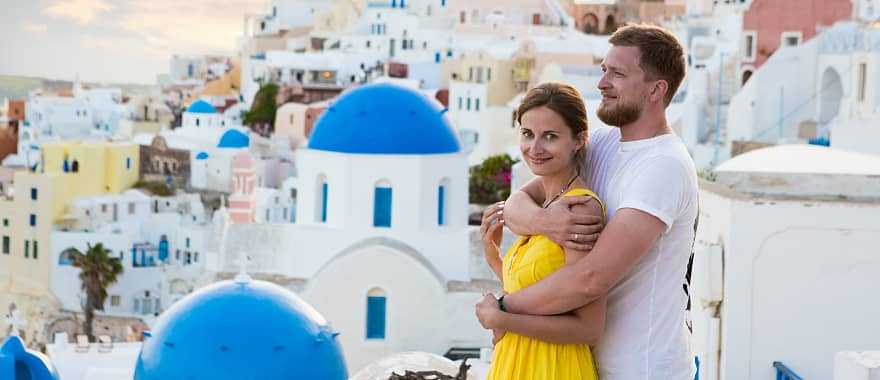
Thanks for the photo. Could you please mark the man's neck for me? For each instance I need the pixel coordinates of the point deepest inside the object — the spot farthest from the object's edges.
(646, 127)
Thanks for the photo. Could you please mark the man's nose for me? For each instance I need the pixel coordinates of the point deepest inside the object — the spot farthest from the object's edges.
(603, 82)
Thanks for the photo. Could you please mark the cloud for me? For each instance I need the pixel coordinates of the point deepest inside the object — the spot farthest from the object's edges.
(195, 25)
(81, 11)
(34, 28)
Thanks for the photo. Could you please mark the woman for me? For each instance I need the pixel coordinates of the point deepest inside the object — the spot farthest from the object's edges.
(553, 137)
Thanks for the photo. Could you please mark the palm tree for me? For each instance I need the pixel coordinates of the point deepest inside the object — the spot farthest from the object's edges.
(98, 270)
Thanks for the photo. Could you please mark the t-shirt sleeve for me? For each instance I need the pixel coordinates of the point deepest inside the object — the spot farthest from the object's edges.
(659, 188)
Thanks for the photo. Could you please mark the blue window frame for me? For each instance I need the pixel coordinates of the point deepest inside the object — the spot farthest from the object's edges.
(128, 163)
(33, 220)
(376, 313)
(441, 205)
(324, 189)
(382, 207)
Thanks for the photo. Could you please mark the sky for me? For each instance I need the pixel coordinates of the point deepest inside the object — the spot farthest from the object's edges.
(118, 41)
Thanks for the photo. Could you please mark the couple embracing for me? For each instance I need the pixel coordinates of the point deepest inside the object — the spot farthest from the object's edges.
(595, 286)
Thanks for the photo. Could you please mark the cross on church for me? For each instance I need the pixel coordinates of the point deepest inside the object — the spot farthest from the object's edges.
(242, 277)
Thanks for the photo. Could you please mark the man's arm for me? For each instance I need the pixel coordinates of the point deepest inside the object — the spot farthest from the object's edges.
(573, 230)
(621, 245)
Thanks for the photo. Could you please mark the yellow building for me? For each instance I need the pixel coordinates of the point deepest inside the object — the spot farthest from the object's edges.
(101, 167)
(68, 170)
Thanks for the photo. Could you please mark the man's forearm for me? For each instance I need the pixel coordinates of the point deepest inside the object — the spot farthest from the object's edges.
(567, 289)
(521, 213)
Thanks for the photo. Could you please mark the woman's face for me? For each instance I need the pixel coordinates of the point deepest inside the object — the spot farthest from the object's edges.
(546, 143)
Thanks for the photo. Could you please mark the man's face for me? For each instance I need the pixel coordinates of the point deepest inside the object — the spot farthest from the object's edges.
(623, 87)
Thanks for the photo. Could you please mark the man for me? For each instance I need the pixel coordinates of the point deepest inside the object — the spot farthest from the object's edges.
(646, 178)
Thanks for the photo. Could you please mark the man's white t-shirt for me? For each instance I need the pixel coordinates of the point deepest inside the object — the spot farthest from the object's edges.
(645, 335)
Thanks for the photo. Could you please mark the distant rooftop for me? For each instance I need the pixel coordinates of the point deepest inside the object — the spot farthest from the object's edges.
(803, 159)
(803, 172)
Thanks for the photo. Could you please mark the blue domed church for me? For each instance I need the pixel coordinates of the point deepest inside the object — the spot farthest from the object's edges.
(380, 244)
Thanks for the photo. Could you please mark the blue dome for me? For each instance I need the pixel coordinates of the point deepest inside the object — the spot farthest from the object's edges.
(229, 330)
(24, 363)
(234, 139)
(201, 106)
(202, 156)
(384, 119)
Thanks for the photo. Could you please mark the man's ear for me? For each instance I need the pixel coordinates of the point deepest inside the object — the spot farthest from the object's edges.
(659, 91)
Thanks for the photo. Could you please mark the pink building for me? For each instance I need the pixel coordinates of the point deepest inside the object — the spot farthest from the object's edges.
(242, 202)
(769, 24)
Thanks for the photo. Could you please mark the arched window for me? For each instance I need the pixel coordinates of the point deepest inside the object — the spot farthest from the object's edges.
(321, 206)
(66, 257)
(442, 199)
(382, 204)
(376, 313)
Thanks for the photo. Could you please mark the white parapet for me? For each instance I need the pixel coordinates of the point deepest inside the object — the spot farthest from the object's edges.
(851, 365)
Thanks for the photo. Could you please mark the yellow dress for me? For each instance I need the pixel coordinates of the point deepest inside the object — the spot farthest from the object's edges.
(518, 357)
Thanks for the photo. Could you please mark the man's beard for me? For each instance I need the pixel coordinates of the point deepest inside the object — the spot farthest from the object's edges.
(620, 114)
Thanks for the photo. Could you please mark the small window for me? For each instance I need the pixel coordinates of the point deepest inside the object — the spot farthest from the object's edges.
(863, 76)
(27, 248)
(128, 163)
(488, 74)
(33, 193)
(36, 250)
(441, 205)
(131, 208)
(468, 104)
(114, 300)
(749, 45)
(382, 201)
(5, 222)
(187, 242)
(376, 314)
(459, 102)
(6, 245)
(33, 220)
(477, 104)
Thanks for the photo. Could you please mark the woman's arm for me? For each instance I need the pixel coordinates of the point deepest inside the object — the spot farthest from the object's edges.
(584, 325)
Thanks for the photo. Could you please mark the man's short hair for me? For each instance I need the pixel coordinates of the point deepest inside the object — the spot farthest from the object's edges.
(661, 55)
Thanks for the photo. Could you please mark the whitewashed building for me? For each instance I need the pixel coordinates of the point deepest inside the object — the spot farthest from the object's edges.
(160, 242)
(786, 262)
(380, 244)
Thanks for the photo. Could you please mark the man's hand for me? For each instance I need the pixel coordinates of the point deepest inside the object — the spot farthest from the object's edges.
(571, 230)
(488, 311)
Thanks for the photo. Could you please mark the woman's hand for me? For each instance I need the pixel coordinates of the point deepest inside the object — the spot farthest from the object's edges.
(491, 226)
(488, 312)
(569, 229)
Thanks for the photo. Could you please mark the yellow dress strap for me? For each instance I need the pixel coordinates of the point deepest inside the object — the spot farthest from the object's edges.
(580, 191)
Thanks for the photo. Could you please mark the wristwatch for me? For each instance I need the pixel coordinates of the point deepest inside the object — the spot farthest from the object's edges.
(501, 303)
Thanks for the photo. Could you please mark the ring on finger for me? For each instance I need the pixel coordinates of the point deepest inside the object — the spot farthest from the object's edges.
(577, 237)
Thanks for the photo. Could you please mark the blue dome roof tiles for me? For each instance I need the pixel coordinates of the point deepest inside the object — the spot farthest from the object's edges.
(201, 106)
(230, 330)
(384, 119)
(234, 139)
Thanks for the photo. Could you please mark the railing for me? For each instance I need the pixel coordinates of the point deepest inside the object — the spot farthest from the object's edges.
(785, 373)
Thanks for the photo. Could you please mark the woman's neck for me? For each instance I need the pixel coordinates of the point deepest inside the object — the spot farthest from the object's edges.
(558, 182)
